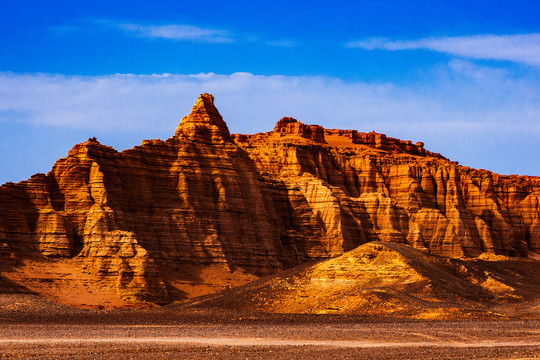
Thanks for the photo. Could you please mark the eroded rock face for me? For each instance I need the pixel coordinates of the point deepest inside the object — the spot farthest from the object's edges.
(402, 193)
(259, 203)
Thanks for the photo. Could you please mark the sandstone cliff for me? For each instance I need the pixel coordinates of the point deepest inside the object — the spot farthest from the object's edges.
(380, 188)
(136, 221)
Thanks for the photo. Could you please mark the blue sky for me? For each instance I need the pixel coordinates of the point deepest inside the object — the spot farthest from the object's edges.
(461, 76)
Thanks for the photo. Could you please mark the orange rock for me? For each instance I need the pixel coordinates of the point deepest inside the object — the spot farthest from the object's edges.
(289, 126)
(204, 123)
(258, 203)
(410, 194)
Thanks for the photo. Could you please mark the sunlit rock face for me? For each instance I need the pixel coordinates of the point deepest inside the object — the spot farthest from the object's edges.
(256, 203)
(366, 186)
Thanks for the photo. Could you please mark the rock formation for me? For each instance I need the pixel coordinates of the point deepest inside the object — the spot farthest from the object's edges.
(256, 203)
(391, 190)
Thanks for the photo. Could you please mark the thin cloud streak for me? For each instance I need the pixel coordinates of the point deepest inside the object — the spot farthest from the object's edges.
(178, 32)
(175, 32)
(282, 43)
(524, 48)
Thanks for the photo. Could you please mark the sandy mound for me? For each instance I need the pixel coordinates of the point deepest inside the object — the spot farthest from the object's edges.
(393, 279)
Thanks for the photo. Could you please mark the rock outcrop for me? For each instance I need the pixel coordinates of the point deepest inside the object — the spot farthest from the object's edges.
(256, 203)
(403, 193)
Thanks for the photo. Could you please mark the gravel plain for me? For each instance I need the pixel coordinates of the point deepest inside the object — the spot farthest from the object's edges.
(174, 332)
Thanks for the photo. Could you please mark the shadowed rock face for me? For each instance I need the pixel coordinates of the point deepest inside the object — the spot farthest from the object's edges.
(256, 203)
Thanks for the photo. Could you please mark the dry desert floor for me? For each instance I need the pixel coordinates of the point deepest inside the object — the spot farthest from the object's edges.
(37, 330)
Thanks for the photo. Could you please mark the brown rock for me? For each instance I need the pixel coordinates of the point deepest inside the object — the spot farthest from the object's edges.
(289, 126)
(410, 194)
(204, 123)
(255, 204)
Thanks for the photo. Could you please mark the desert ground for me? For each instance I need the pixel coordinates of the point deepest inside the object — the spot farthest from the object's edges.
(453, 309)
(34, 328)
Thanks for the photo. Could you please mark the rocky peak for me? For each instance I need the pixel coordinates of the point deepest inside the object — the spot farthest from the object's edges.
(204, 123)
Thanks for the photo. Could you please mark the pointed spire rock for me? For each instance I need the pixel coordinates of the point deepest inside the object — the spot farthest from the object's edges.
(204, 123)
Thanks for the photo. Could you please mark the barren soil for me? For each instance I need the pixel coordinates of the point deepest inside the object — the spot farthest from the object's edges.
(37, 329)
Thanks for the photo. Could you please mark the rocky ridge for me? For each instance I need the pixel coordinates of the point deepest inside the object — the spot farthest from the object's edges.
(253, 205)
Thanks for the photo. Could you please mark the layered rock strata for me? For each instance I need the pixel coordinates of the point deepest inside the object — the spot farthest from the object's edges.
(257, 203)
(391, 190)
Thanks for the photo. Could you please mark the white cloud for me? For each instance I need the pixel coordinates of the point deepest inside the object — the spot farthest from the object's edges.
(178, 32)
(462, 111)
(524, 48)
